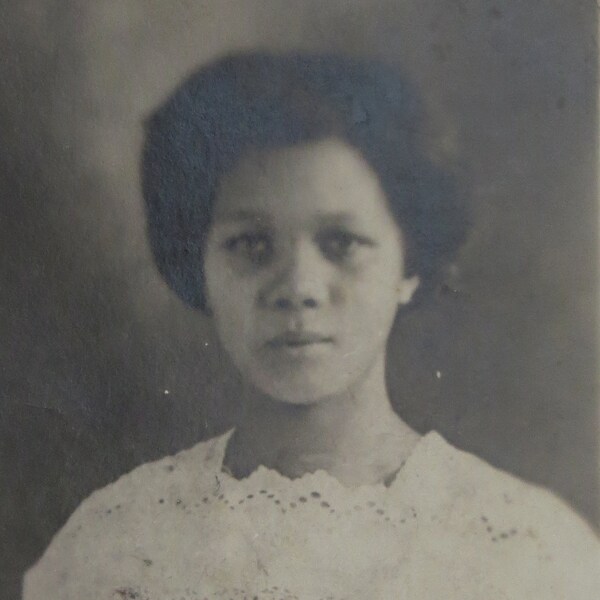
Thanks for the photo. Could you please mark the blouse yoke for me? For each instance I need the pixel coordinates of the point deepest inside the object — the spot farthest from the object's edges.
(449, 526)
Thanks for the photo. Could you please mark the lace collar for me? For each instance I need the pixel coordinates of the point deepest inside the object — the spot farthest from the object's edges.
(429, 443)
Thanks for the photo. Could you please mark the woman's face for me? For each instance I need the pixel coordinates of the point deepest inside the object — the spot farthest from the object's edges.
(304, 270)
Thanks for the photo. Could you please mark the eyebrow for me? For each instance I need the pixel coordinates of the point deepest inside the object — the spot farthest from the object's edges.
(252, 215)
(242, 215)
(337, 218)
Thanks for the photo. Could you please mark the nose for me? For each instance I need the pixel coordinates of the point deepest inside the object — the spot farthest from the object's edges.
(299, 281)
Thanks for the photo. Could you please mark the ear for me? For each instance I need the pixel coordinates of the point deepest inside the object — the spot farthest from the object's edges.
(407, 288)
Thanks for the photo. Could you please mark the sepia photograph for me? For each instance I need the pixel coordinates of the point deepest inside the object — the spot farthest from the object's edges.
(299, 300)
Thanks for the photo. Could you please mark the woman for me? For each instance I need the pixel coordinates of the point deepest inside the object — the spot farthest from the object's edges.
(290, 198)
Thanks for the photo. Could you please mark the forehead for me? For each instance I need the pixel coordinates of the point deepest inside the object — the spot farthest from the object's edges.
(294, 183)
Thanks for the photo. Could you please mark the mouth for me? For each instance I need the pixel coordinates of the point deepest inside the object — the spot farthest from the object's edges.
(298, 339)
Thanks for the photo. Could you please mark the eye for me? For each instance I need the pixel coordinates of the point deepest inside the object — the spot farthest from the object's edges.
(338, 245)
(256, 248)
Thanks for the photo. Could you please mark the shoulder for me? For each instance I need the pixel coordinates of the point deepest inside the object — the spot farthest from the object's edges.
(517, 531)
(107, 530)
(497, 493)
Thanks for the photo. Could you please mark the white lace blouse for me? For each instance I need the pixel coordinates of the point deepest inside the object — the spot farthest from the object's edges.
(449, 527)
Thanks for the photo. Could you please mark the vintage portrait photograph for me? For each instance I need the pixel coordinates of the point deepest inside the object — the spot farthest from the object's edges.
(299, 300)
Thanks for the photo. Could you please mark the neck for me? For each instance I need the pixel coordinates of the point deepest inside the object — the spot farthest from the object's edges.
(354, 436)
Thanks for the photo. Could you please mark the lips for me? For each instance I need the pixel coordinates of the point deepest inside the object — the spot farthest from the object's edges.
(299, 339)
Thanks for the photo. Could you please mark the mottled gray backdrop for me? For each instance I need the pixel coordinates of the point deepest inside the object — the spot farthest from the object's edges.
(504, 362)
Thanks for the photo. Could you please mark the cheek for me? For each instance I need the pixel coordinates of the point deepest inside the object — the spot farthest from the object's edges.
(371, 300)
(237, 322)
(372, 312)
(235, 330)
(232, 300)
(376, 281)
(227, 298)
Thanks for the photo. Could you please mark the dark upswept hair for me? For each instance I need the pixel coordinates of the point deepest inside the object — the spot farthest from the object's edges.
(260, 101)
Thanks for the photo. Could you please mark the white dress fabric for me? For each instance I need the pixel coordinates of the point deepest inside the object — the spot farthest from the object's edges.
(449, 527)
